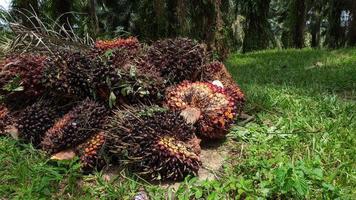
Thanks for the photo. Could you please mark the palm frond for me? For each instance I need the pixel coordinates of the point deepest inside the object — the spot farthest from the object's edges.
(42, 36)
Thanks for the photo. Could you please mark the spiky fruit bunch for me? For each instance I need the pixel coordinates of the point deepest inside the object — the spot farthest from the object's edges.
(137, 86)
(139, 79)
(154, 144)
(75, 127)
(118, 52)
(215, 110)
(5, 118)
(90, 152)
(144, 79)
(35, 120)
(171, 159)
(77, 74)
(177, 59)
(128, 43)
(22, 71)
(217, 71)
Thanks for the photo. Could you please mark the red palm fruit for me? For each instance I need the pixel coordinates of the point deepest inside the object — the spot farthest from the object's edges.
(156, 144)
(129, 43)
(91, 152)
(77, 74)
(213, 108)
(171, 159)
(119, 52)
(75, 127)
(177, 59)
(217, 71)
(26, 70)
(35, 120)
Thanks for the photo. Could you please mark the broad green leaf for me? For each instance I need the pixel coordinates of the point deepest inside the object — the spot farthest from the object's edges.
(112, 100)
(132, 71)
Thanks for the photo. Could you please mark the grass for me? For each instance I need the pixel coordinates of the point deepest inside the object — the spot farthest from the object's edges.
(301, 144)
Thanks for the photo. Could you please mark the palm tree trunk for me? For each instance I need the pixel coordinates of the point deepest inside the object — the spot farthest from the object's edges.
(93, 17)
(256, 30)
(315, 25)
(298, 32)
(352, 33)
(335, 31)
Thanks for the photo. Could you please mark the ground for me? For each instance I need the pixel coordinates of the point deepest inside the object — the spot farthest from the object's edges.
(300, 143)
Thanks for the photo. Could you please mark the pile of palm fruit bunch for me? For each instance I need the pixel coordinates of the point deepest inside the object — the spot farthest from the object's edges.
(120, 102)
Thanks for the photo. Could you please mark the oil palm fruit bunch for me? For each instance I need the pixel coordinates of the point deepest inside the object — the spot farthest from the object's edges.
(207, 106)
(76, 74)
(5, 118)
(137, 86)
(217, 71)
(35, 120)
(154, 144)
(75, 127)
(128, 43)
(66, 73)
(21, 75)
(103, 78)
(177, 59)
(119, 51)
(124, 57)
(91, 152)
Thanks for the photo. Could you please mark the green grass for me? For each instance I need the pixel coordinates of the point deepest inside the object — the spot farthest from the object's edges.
(300, 145)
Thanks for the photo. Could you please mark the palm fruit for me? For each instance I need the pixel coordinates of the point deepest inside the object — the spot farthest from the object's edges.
(75, 127)
(76, 74)
(5, 119)
(118, 52)
(154, 144)
(66, 73)
(212, 107)
(139, 80)
(20, 76)
(137, 86)
(90, 152)
(129, 43)
(217, 71)
(129, 53)
(35, 120)
(144, 82)
(177, 59)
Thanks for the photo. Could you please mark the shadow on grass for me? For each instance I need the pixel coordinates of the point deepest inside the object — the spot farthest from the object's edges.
(316, 71)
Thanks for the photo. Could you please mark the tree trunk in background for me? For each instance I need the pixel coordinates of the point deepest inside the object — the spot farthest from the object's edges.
(335, 32)
(257, 26)
(172, 19)
(315, 33)
(296, 17)
(315, 24)
(145, 25)
(228, 17)
(220, 44)
(182, 15)
(352, 33)
(93, 17)
(298, 33)
(160, 18)
(203, 20)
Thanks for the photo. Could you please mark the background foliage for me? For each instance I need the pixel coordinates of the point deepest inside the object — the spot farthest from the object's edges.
(225, 25)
